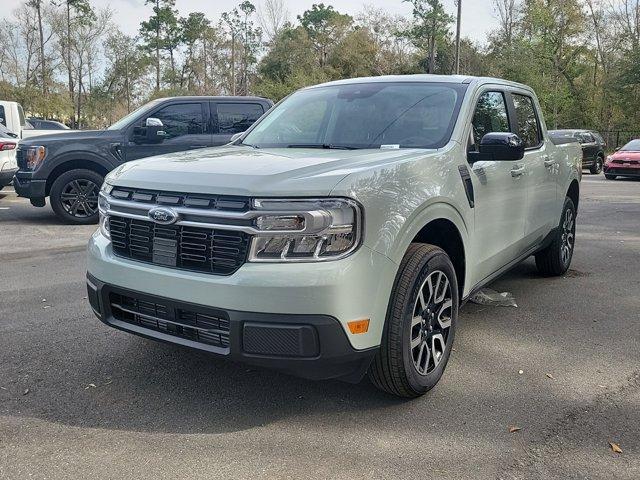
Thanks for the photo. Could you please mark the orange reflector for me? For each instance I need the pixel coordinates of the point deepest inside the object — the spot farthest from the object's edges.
(359, 326)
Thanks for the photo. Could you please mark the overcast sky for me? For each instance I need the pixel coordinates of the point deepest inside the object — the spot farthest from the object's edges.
(477, 15)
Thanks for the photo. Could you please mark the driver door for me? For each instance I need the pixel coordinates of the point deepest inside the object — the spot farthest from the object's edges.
(500, 191)
(185, 126)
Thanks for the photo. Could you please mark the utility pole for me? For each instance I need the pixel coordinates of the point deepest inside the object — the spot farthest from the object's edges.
(458, 21)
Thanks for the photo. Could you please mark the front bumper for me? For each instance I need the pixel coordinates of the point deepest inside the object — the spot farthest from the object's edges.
(291, 317)
(26, 186)
(621, 170)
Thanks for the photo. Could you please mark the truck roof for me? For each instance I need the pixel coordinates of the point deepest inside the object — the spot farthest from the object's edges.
(217, 98)
(427, 78)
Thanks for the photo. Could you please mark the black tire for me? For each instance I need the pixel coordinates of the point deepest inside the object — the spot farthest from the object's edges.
(554, 260)
(609, 177)
(74, 196)
(596, 168)
(394, 368)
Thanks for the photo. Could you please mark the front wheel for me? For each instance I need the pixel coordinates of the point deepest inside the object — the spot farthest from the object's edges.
(420, 325)
(596, 168)
(556, 258)
(74, 196)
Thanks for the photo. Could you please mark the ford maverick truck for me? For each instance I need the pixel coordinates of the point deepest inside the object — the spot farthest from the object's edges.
(341, 233)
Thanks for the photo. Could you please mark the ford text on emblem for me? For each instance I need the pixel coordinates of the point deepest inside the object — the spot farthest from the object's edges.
(165, 216)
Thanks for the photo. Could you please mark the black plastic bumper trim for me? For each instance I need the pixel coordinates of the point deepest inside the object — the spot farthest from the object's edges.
(325, 351)
(25, 186)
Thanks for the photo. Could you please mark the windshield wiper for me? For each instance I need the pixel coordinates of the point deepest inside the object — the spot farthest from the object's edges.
(325, 146)
(249, 145)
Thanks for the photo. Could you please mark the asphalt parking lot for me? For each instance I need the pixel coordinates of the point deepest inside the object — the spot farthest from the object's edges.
(81, 400)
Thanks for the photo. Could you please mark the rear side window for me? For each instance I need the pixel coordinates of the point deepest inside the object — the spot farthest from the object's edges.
(237, 117)
(181, 119)
(490, 115)
(528, 128)
(21, 115)
(3, 119)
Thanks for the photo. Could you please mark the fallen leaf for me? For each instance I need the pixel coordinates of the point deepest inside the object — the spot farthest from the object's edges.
(91, 385)
(26, 391)
(514, 429)
(602, 386)
(2, 388)
(46, 306)
(44, 300)
(520, 372)
(615, 447)
(550, 376)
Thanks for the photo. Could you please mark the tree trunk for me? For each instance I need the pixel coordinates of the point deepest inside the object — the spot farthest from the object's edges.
(233, 63)
(157, 46)
(69, 67)
(43, 68)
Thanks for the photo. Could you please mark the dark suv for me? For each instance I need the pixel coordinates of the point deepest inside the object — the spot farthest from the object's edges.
(593, 146)
(70, 167)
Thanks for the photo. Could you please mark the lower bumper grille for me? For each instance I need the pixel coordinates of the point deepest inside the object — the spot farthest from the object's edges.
(208, 328)
(220, 252)
(624, 171)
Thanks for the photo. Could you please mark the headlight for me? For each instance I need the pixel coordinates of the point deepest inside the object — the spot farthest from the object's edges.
(104, 226)
(34, 156)
(106, 188)
(299, 230)
(103, 208)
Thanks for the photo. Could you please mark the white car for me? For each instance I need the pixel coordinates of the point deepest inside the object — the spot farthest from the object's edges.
(8, 165)
(341, 233)
(12, 117)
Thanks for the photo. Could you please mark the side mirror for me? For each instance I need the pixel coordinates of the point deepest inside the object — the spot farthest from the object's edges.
(152, 132)
(153, 122)
(236, 136)
(499, 147)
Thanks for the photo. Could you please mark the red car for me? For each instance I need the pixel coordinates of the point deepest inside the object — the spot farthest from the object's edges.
(625, 162)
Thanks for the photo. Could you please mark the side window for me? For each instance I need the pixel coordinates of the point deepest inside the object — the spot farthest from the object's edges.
(490, 115)
(181, 119)
(237, 117)
(528, 127)
(588, 138)
(3, 119)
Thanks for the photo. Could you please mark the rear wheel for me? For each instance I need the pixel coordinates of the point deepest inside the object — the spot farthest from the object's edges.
(609, 177)
(596, 168)
(74, 196)
(420, 325)
(556, 258)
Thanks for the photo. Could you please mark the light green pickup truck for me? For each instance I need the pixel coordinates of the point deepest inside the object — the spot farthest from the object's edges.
(340, 234)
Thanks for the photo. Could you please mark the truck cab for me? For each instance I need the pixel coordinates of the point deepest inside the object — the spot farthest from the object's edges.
(70, 167)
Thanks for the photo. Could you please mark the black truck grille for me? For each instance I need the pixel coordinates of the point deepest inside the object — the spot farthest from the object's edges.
(20, 160)
(211, 328)
(207, 250)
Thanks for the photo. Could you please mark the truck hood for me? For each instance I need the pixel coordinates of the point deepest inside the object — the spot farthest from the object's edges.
(63, 136)
(245, 171)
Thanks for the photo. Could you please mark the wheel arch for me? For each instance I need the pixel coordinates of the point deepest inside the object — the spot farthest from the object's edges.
(439, 224)
(73, 164)
(574, 193)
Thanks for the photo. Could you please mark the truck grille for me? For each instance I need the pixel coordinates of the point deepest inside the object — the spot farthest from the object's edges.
(21, 161)
(211, 328)
(207, 250)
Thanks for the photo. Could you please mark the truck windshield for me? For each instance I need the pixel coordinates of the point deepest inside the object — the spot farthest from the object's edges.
(632, 146)
(362, 115)
(124, 121)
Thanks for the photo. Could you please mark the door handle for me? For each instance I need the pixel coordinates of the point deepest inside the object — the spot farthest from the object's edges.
(517, 171)
(548, 162)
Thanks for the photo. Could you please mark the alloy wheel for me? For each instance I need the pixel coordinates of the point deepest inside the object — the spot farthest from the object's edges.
(80, 198)
(568, 236)
(431, 322)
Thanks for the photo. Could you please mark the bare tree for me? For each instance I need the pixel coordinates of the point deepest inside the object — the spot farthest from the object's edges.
(273, 16)
(508, 17)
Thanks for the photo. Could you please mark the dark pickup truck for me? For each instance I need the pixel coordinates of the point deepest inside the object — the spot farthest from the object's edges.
(70, 167)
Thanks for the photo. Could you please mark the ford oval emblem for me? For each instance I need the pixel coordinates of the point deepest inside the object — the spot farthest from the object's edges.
(164, 216)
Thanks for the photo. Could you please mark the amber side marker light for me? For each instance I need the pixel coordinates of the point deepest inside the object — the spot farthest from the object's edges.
(359, 326)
